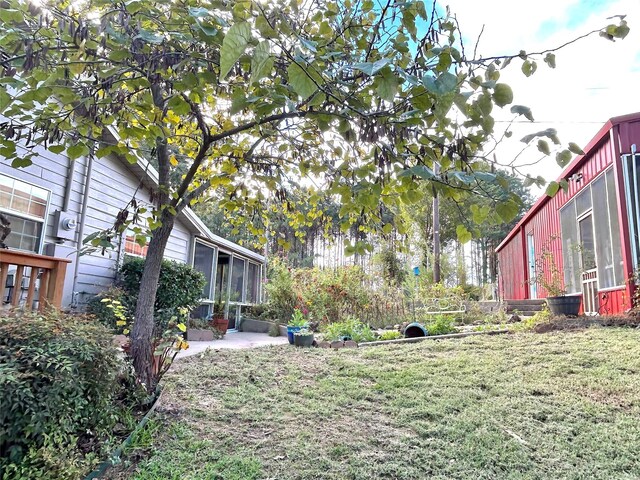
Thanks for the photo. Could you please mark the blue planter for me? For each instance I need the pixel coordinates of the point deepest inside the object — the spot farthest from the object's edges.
(291, 331)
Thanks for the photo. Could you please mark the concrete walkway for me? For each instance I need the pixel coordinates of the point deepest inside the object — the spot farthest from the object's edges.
(233, 340)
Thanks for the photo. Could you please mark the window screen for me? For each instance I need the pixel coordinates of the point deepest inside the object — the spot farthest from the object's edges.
(203, 262)
(616, 243)
(570, 248)
(253, 283)
(583, 202)
(604, 253)
(237, 280)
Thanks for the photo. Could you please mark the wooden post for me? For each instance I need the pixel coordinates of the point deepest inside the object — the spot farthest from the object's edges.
(43, 301)
(56, 284)
(17, 285)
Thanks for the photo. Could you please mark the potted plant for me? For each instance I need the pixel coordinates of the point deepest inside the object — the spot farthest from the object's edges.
(296, 323)
(551, 278)
(303, 338)
(219, 321)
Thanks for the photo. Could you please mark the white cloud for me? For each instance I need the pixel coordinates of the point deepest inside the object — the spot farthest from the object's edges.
(594, 80)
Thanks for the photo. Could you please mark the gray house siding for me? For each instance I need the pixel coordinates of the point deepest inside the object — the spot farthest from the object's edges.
(112, 185)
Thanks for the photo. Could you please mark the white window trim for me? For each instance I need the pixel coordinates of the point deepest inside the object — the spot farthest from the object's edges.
(26, 216)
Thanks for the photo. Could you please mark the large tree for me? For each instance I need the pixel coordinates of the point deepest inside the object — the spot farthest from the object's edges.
(362, 97)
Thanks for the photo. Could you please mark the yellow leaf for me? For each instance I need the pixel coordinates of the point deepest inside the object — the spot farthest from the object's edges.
(173, 160)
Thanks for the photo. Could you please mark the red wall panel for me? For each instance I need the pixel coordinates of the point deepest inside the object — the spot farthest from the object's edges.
(511, 281)
(544, 224)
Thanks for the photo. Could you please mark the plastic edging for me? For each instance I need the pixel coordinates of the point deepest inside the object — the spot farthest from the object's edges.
(430, 337)
(102, 468)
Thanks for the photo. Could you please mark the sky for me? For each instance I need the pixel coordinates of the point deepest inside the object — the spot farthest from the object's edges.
(594, 80)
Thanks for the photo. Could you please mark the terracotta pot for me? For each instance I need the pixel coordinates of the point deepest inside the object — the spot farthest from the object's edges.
(220, 323)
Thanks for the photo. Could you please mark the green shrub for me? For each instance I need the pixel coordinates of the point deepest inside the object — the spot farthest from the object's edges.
(274, 330)
(351, 328)
(440, 325)
(281, 297)
(180, 286)
(60, 385)
(390, 335)
(101, 309)
(543, 316)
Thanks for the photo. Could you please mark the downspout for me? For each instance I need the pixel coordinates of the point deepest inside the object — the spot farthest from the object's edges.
(67, 190)
(83, 218)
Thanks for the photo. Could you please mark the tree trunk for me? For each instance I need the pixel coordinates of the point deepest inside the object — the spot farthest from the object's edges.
(142, 332)
(436, 230)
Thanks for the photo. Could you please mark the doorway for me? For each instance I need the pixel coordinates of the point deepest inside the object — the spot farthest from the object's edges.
(588, 264)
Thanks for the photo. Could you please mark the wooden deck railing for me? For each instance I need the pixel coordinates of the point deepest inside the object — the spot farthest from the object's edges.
(45, 274)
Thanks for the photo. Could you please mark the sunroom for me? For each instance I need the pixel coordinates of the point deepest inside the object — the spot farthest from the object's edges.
(233, 279)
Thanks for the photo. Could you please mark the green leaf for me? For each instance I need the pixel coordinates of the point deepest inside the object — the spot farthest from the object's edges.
(198, 12)
(420, 98)
(552, 189)
(261, 63)
(371, 68)
(522, 110)
(149, 37)
(529, 67)
(421, 171)
(502, 94)
(550, 59)
(507, 211)
(179, 105)
(480, 214)
(543, 146)
(5, 99)
(233, 46)
(10, 16)
(463, 234)
(387, 85)
(574, 148)
(445, 83)
(563, 158)
(56, 148)
(21, 162)
(77, 150)
(301, 83)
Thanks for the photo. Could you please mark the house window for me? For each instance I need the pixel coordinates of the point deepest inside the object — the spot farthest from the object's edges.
(133, 248)
(203, 261)
(570, 248)
(25, 205)
(253, 283)
(237, 280)
(591, 235)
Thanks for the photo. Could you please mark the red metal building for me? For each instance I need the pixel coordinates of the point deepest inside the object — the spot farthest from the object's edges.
(592, 230)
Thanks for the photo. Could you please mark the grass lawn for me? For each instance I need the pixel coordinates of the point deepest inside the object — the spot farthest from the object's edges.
(557, 405)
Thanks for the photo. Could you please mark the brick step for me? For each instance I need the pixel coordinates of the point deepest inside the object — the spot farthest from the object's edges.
(516, 303)
(523, 308)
